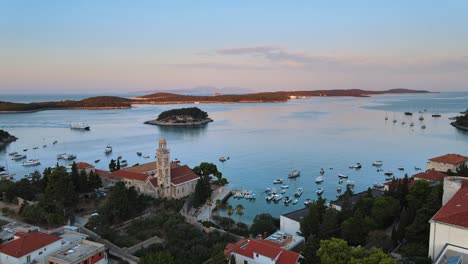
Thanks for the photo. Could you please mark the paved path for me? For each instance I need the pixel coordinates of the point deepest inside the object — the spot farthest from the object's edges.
(204, 212)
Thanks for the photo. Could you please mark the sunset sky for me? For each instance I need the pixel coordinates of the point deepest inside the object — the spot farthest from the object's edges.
(124, 46)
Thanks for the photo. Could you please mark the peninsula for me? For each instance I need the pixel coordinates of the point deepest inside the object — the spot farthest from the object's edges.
(114, 102)
(6, 138)
(461, 122)
(192, 116)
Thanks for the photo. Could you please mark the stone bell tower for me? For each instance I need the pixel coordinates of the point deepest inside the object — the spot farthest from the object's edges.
(163, 169)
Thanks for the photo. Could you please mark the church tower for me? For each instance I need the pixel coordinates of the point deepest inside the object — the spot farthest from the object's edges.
(163, 166)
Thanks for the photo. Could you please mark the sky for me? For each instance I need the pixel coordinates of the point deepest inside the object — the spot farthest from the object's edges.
(123, 46)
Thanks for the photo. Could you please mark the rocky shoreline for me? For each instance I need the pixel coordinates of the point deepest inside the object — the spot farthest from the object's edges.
(454, 124)
(6, 141)
(180, 123)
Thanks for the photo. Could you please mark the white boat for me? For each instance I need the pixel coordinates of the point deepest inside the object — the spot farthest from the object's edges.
(322, 171)
(338, 188)
(342, 176)
(319, 191)
(123, 163)
(66, 156)
(350, 184)
(268, 190)
(388, 173)
(377, 163)
(108, 149)
(278, 181)
(222, 159)
(283, 191)
(238, 195)
(294, 174)
(270, 197)
(18, 157)
(284, 186)
(307, 202)
(31, 162)
(287, 200)
(273, 191)
(319, 179)
(378, 185)
(388, 177)
(13, 153)
(298, 193)
(250, 196)
(295, 201)
(80, 126)
(277, 197)
(146, 157)
(356, 166)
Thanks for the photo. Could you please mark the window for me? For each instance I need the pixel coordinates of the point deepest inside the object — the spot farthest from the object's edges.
(40, 253)
(28, 259)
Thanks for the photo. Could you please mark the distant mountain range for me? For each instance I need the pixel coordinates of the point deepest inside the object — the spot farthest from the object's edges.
(201, 90)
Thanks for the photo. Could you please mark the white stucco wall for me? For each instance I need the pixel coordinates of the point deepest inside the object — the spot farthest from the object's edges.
(289, 226)
(183, 189)
(442, 234)
(38, 255)
(443, 167)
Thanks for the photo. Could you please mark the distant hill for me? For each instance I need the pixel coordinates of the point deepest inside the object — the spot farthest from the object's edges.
(202, 90)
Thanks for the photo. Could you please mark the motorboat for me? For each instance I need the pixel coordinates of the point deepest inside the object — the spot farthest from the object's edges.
(307, 202)
(238, 195)
(394, 121)
(277, 197)
(401, 168)
(421, 118)
(350, 184)
(298, 193)
(377, 163)
(322, 171)
(123, 163)
(138, 154)
(319, 179)
(388, 173)
(436, 115)
(55, 142)
(294, 174)
(417, 168)
(278, 181)
(283, 191)
(411, 124)
(96, 160)
(31, 162)
(378, 185)
(284, 186)
(146, 157)
(25, 149)
(356, 166)
(35, 147)
(80, 126)
(338, 188)
(319, 191)
(66, 156)
(340, 181)
(12, 153)
(18, 157)
(250, 196)
(423, 127)
(270, 197)
(222, 159)
(403, 122)
(108, 149)
(408, 113)
(295, 201)
(44, 146)
(273, 190)
(342, 176)
(268, 190)
(287, 200)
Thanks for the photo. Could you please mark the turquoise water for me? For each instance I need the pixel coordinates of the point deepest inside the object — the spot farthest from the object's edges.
(263, 141)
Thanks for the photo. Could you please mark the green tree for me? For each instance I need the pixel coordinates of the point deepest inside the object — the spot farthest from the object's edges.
(112, 165)
(158, 258)
(240, 211)
(334, 251)
(117, 167)
(209, 202)
(82, 182)
(202, 191)
(94, 181)
(229, 211)
(309, 250)
(311, 223)
(329, 226)
(374, 256)
(263, 223)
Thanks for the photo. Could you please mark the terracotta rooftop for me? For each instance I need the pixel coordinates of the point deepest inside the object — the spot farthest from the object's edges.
(265, 248)
(450, 158)
(27, 243)
(154, 182)
(430, 175)
(455, 211)
(84, 165)
(182, 174)
(143, 168)
(399, 180)
(130, 175)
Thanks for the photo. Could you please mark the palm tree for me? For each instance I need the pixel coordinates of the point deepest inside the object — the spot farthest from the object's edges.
(240, 211)
(209, 202)
(229, 210)
(217, 204)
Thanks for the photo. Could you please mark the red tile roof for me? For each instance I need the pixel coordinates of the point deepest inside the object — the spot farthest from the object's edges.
(430, 175)
(410, 182)
(455, 211)
(182, 174)
(143, 168)
(84, 165)
(266, 248)
(130, 175)
(27, 243)
(154, 182)
(450, 158)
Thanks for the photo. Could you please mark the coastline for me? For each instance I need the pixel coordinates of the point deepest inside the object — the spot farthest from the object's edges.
(7, 141)
(454, 124)
(193, 123)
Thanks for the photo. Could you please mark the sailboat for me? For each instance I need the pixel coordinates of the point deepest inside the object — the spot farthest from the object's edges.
(421, 118)
(394, 119)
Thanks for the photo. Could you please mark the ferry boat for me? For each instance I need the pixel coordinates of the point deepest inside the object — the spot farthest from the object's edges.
(278, 181)
(31, 162)
(294, 174)
(319, 191)
(319, 179)
(18, 157)
(298, 193)
(377, 163)
(80, 126)
(108, 149)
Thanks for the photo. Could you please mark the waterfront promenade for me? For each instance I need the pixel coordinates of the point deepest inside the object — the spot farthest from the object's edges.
(203, 214)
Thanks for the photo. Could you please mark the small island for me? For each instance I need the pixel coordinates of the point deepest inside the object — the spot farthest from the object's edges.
(461, 122)
(191, 116)
(6, 138)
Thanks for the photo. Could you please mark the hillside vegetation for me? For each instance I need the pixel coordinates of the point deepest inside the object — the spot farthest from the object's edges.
(194, 112)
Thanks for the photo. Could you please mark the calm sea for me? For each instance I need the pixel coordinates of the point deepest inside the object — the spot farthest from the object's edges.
(264, 141)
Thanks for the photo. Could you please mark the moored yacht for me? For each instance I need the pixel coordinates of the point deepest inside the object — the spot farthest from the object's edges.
(294, 174)
(108, 149)
(319, 179)
(298, 193)
(80, 126)
(307, 202)
(31, 162)
(18, 157)
(66, 156)
(278, 181)
(319, 191)
(342, 176)
(322, 171)
(277, 197)
(377, 163)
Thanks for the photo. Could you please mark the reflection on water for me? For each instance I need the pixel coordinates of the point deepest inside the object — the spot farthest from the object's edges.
(263, 141)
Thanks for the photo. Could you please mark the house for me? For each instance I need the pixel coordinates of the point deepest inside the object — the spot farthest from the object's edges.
(30, 247)
(388, 185)
(431, 175)
(160, 178)
(447, 162)
(84, 166)
(338, 204)
(449, 226)
(258, 251)
(291, 222)
(84, 252)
